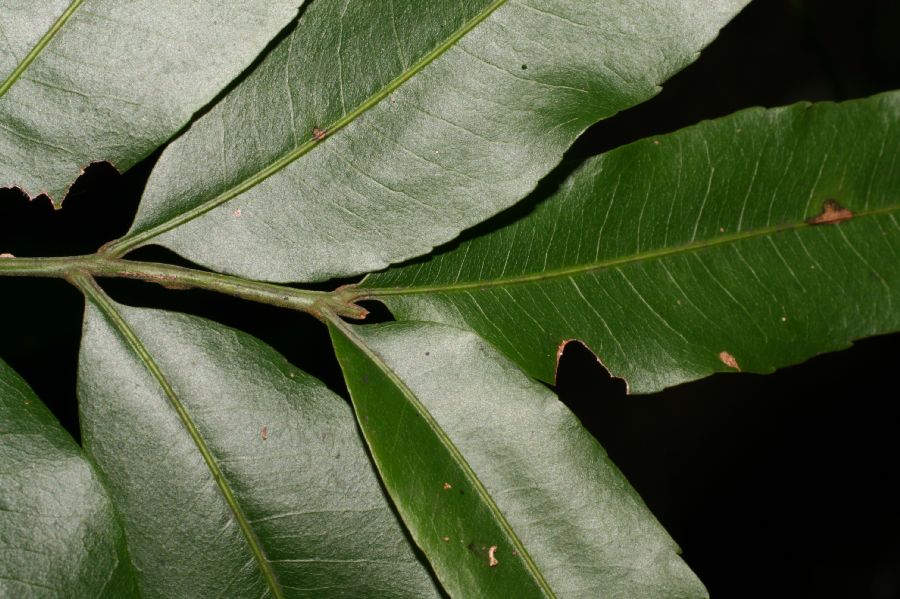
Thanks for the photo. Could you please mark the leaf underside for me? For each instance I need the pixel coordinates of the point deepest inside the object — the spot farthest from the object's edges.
(370, 134)
(497, 481)
(97, 80)
(716, 248)
(234, 472)
(377, 130)
(59, 536)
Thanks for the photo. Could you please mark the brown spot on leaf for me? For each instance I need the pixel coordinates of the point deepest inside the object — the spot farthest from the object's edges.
(445, 539)
(832, 213)
(319, 134)
(264, 432)
(237, 213)
(447, 486)
(483, 551)
(728, 360)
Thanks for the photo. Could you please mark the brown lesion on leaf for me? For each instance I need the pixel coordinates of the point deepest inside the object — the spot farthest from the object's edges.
(728, 360)
(832, 213)
(483, 551)
(319, 134)
(447, 486)
(264, 432)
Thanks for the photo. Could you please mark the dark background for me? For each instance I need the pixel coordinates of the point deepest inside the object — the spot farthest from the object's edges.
(775, 486)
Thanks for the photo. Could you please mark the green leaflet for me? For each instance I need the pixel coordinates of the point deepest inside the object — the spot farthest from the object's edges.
(235, 473)
(96, 80)
(59, 536)
(689, 253)
(497, 481)
(438, 115)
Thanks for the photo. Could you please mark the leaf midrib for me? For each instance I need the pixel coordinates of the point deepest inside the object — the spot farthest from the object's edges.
(129, 242)
(39, 47)
(448, 444)
(96, 295)
(547, 275)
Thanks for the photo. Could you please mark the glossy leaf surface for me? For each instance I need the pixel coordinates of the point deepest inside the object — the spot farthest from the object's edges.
(700, 251)
(499, 484)
(235, 474)
(93, 80)
(380, 129)
(59, 536)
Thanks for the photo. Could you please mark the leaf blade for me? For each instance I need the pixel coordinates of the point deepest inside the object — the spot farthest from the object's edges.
(462, 125)
(326, 528)
(59, 533)
(710, 253)
(525, 580)
(96, 80)
(478, 440)
(99, 300)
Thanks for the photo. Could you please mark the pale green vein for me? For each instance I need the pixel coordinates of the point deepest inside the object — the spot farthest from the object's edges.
(129, 242)
(448, 444)
(39, 47)
(357, 293)
(99, 298)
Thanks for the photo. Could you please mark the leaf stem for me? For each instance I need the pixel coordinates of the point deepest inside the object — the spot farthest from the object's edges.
(177, 277)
